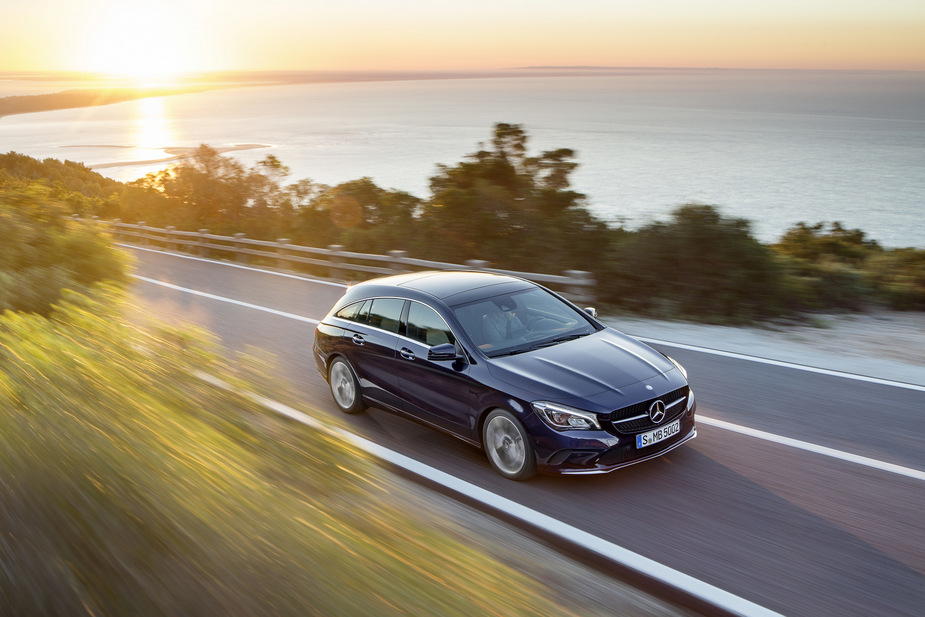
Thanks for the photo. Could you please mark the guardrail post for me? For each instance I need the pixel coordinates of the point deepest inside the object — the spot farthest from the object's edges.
(203, 249)
(281, 263)
(117, 230)
(582, 287)
(240, 257)
(396, 263)
(477, 264)
(171, 245)
(333, 271)
(143, 239)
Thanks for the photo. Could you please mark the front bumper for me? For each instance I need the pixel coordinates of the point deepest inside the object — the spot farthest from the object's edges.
(597, 460)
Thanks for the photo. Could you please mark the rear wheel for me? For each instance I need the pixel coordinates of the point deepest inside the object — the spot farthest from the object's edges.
(344, 387)
(509, 447)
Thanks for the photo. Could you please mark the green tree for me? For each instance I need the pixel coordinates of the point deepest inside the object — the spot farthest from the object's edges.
(511, 209)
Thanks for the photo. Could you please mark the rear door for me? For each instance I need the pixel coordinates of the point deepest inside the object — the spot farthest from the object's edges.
(371, 344)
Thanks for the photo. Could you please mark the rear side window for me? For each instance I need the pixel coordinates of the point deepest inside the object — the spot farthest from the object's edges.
(426, 325)
(349, 312)
(355, 312)
(386, 314)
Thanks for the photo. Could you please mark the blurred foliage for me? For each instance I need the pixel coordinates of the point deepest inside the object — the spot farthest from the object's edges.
(518, 212)
(697, 264)
(898, 275)
(814, 243)
(828, 266)
(42, 252)
(131, 487)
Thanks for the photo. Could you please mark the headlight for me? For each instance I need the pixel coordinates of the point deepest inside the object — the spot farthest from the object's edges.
(564, 418)
(680, 368)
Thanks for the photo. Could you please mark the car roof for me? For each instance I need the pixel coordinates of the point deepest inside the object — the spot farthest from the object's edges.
(445, 285)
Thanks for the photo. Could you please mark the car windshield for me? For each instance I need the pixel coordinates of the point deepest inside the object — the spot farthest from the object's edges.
(519, 322)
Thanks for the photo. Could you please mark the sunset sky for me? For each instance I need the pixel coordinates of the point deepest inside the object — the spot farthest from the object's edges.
(137, 37)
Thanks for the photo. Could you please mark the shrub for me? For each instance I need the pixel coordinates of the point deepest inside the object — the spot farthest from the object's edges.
(824, 284)
(43, 252)
(699, 264)
(814, 243)
(899, 277)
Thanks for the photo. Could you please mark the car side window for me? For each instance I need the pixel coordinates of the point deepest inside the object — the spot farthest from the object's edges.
(386, 314)
(350, 311)
(427, 326)
(364, 312)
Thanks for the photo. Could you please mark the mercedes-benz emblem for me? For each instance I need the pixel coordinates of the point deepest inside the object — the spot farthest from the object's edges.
(657, 412)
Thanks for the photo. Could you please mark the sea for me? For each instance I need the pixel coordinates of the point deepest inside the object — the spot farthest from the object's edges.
(773, 147)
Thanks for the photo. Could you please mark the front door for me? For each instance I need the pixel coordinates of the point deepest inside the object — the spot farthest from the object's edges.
(437, 392)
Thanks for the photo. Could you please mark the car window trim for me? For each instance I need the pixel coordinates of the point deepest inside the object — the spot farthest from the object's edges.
(402, 331)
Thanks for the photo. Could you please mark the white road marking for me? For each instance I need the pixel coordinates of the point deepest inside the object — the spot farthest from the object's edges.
(811, 447)
(794, 443)
(645, 566)
(801, 367)
(228, 300)
(231, 265)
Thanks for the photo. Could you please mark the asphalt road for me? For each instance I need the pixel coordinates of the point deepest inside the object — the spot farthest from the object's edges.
(794, 531)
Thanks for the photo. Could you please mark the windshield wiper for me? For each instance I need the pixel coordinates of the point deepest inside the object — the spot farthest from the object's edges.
(567, 337)
(555, 341)
(513, 353)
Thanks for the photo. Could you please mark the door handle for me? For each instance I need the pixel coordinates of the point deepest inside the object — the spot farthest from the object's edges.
(359, 340)
(406, 353)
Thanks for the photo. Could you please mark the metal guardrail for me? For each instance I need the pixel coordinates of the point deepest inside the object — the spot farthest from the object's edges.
(577, 285)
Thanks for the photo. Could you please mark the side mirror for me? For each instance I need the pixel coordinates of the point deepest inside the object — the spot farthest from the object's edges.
(447, 351)
(590, 310)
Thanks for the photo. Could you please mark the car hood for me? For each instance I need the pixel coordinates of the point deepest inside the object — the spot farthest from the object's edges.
(605, 360)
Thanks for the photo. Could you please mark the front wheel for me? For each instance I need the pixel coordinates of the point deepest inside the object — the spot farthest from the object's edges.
(509, 447)
(344, 387)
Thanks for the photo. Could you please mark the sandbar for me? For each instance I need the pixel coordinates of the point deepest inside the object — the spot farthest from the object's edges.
(177, 153)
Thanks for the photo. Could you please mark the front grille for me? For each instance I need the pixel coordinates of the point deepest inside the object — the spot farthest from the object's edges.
(619, 417)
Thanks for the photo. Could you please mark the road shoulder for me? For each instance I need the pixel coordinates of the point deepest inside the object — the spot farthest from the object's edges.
(884, 344)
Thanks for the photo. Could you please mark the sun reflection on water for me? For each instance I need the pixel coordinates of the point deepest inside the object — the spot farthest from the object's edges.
(152, 128)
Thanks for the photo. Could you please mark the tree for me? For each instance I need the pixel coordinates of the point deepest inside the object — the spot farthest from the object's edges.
(511, 209)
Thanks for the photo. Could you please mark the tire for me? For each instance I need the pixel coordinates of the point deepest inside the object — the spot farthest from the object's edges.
(508, 446)
(345, 388)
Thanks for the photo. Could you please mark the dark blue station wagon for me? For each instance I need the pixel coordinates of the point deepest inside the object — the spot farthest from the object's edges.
(507, 366)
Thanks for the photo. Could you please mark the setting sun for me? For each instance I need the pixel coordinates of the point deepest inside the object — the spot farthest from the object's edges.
(140, 41)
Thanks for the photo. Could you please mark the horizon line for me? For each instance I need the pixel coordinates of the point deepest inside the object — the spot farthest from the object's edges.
(98, 75)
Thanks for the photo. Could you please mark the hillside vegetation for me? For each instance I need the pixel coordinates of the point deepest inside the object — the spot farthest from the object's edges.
(518, 211)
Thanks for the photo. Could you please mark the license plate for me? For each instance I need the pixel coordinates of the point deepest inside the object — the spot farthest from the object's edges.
(660, 434)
